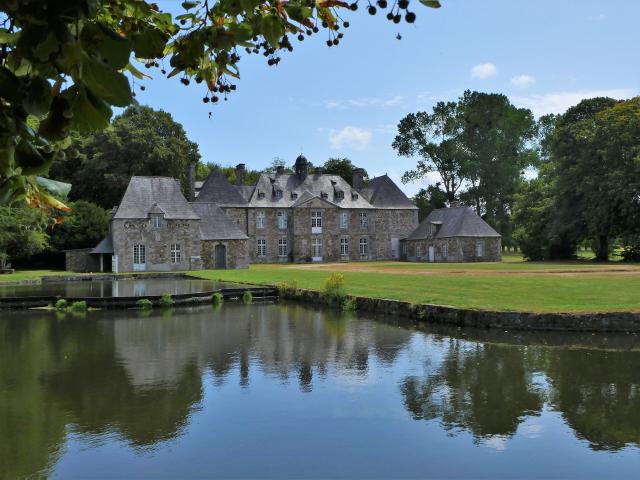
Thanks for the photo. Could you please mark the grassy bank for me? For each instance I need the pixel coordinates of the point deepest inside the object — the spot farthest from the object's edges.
(511, 285)
(30, 275)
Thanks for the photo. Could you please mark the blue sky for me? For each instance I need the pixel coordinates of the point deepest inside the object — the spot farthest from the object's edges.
(346, 101)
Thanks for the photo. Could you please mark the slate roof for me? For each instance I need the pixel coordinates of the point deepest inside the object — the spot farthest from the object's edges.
(312, 186)
(246, 191)
(215, 224)
(144, 194)
(217, 189)
(105, 245)
(382, 192)
(455, 222)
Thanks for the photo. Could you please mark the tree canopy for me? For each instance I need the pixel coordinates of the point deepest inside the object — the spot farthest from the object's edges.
(22, 233)
(343, 167)
(140, 141)
(65, 63)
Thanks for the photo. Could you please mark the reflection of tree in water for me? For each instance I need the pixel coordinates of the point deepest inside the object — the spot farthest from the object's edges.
(486, 389)
(598, 394)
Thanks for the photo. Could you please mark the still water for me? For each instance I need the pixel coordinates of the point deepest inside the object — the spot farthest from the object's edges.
(288, 391)
(113, 288)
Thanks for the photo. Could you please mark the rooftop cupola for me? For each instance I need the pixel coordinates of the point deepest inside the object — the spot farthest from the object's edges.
(302, 167)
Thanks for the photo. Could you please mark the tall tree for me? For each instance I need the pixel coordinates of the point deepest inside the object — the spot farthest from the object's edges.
(433, 138)
(83, 227)
(596, 147)
(140, 141)
(22, 233)
(429, 199)
(343, 167)
(64, 64)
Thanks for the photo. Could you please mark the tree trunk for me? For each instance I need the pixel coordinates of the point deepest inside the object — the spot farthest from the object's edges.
(602, 253)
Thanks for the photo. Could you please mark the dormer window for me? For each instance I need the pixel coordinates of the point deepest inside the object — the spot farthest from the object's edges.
(278, 194)
(156, 221)
(323, 195)
(354, 196)
(260, 195)
(339, 195)
(294, 195)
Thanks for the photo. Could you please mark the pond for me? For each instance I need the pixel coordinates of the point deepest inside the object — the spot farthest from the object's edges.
(138, 287)
(284, 390)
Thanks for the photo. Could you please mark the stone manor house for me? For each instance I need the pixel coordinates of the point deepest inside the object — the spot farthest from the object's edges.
(284, 217)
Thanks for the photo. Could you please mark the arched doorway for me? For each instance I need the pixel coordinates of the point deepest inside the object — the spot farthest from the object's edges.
(221, 256)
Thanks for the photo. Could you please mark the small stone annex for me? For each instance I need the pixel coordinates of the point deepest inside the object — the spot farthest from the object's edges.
(284, 217)
(455, 234)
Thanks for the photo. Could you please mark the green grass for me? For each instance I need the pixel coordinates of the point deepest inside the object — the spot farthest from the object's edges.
(489, 290)
(31, 275)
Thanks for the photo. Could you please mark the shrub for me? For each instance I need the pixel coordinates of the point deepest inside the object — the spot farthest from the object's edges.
(333, 291)
(349, 305)
(166, 300)
(217, 298)
(247, 297)
(287, 288)
(631, 253)
(80, 306)
(61, 304)
(144, 304)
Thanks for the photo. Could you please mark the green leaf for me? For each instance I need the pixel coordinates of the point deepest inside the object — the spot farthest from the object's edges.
(90, 113)
(240, 32)
(39, 97)
(114, 49)
(31, 160)
(189, 5)
(8, 37)
(106, 83)
(431, 3)
(298, 13)
(10, 86)
(272, 29)
(44, 49)
(60, 189)
(149, 43)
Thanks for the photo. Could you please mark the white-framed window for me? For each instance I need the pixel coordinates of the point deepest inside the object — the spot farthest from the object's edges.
(175, 253)
(316, 247)
(282, 220)
(261, 247)
(445, 250)
(364, 246)
(139, 255)
(283, 251)
(344, 220)
(278, 194)
(316, 219)
(156, 221)
(260, 220)
(418, 250)
(344, 246)
(364, 219)
(480, 248)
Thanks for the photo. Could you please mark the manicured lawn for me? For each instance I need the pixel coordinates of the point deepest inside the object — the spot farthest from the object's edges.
(510, 285)
(30, 275)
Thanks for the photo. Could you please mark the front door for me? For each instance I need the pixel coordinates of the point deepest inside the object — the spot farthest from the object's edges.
(395, 248)
(431, 253)
(221, 256)
(316, 250)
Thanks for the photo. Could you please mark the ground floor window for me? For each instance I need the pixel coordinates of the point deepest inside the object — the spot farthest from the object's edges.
(175, 253)
(261, 247)
(316, 247)
(480, 248)
(282, 247)
(418, 250)
(344, 246)
(139, 255)
(445, 250)
(364, 246)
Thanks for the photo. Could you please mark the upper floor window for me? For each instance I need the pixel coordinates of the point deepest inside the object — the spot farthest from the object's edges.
(261, 247)
(339, 195)
(316, 219)
(354, 196)
(364, 219)
(278, 194)
(282, 247)
(344, 220)
(294, 195)
(480, 248)
(175, 253)
(260, 220)
(324, 195)
(260, 195)
(282, 220)
(156, 221)
(364, 246)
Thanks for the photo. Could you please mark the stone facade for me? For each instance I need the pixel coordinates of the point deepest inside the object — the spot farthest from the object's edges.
(157, 244)
(457, 249)
(81, 260)
(234, 254)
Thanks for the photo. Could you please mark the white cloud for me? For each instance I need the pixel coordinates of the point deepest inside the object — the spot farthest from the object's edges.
(365, 102)
(523, 81)
(559, 102)
(350, 137)
(484, 70)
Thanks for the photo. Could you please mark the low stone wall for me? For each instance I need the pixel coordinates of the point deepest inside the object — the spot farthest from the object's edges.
(579, 322)
(81, 260)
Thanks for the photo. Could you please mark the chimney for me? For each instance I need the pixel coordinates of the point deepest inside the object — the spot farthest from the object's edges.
(455, 204)
(279, 170)
(240, 174)
(302, 167)
(358, 178)
(192, 181)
